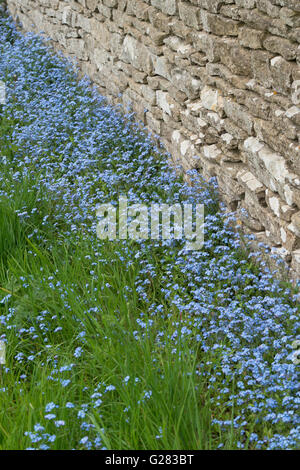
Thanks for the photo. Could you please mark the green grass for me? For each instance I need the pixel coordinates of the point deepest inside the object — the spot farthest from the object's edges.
(180, 402)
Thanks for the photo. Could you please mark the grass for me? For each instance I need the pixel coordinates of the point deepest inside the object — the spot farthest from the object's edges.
(55, 279)
(179, 403)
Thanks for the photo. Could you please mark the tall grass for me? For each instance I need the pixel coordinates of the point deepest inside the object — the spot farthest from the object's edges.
(157, 400)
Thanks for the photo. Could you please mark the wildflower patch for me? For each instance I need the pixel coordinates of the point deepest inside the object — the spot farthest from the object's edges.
(125, 344)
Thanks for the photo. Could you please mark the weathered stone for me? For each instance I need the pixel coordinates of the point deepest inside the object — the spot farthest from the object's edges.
(250, 38)
(229, 186)
(218, 25)
(77, 46)
(237, 59)
(169, 7)
(136, 54)
(281, 46)
(246, 3)
(101, 58)
(270, 167)
(239, 115)
(295, 264)
(278, 206)
(281, 75)
(163, 102)
(211, 5)
(228, 141)
(84, 23)
(255, 19)
(293, 114)
(268, 7)
(100, 33)
(295, 92)
(186, 83)
(260, 61)
(137, 8)
(159, 20)
(91, 4)
(162, 67)
(257, 106)
(252, 223)
(211, 152)
(212, 100)
(153, 123)
(235, 130)
(68, 16)
(247, 179)
(189, 15)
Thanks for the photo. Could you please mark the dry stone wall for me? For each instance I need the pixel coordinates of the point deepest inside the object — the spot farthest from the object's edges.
(216, 79)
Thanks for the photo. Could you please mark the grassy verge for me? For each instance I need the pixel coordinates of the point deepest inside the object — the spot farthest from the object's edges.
(76, 344)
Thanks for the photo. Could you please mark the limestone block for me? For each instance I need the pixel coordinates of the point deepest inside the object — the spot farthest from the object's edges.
(249, 221)
(212, 99)
(211, 5)
(211, 152)
(268, 7)
(77, 47)
(230, 187)
(83, 22)
(100, 33)
(218, 25)
(239, 114)
(281, 75)
(169, 7)
(189, 14)
(260, 62)
(101, 58)
(186, 83)
(162, 67)
(295, 92)
(293, 114)
(250, 182)
(138, 8)
(91, 4)
(257, 106)
(246, 3)
(159, 20)
(236, 58)
(234, 130)
(136, 54)
(293, 4)
(69, 16)
(153, 123)
(295, 264)
(295, 224)
(279, 207)
(281, 46)
(251, 38)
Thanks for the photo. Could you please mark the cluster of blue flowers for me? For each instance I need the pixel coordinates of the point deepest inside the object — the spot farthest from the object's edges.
(230, 309)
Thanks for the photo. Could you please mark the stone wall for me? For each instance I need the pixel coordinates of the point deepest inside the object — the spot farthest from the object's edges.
(217, 79)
